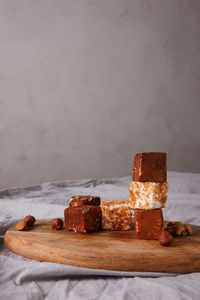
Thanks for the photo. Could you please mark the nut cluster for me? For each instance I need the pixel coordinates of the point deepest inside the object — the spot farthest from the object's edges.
(178, 229)
(27, 223)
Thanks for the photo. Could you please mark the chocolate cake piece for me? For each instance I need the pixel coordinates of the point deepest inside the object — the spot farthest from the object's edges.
(148, 195)
(148, 223)
(83, 219)
(116, 215)
(84, 200)
(150, 166)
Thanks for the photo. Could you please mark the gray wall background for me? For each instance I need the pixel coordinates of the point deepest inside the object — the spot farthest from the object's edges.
(85, 84)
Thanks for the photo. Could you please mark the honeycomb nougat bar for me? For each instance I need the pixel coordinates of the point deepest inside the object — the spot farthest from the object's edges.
(148, 195)
(116, 215)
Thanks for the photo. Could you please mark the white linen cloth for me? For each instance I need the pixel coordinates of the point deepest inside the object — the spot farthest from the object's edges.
(23, 278)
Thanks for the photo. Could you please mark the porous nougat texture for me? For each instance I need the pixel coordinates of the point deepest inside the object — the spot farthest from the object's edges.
(148, 195)
(80, 200)
(116, 215)
(148, 224)
(83, 219)
(150, 167)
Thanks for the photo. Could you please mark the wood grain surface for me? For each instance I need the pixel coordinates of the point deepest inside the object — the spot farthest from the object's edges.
(107, 250)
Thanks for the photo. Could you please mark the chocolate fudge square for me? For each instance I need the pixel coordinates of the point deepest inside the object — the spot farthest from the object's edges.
(150, 167)
(80, 200)
(83, 219)
(148, 223)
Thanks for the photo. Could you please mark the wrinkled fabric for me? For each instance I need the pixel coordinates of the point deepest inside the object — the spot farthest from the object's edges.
(23, 278)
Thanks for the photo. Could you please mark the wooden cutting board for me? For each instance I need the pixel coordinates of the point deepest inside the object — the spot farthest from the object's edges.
(107, 250)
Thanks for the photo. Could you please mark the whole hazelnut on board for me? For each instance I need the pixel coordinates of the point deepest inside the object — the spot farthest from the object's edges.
(165, 238)
(29, 220)
(57, 224)
(21, 225)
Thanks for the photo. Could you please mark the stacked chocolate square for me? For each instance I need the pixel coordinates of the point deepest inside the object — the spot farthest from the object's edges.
(148, 193)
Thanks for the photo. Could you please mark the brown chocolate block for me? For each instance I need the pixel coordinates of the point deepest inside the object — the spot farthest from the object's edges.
(150, 166)
(83, 219)
(148, 223)
(84, 200)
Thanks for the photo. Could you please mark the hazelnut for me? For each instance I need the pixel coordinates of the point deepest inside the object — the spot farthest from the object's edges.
(57, 224)
(165, 238)
(188, 229)
(21, 225)
(171, 228)
(184, 233)
(29, 220)
(178, 223)
(178, 229)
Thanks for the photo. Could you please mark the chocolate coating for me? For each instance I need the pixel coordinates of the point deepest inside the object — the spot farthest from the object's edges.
(83, 219)
(150, 166)
(148, 223)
